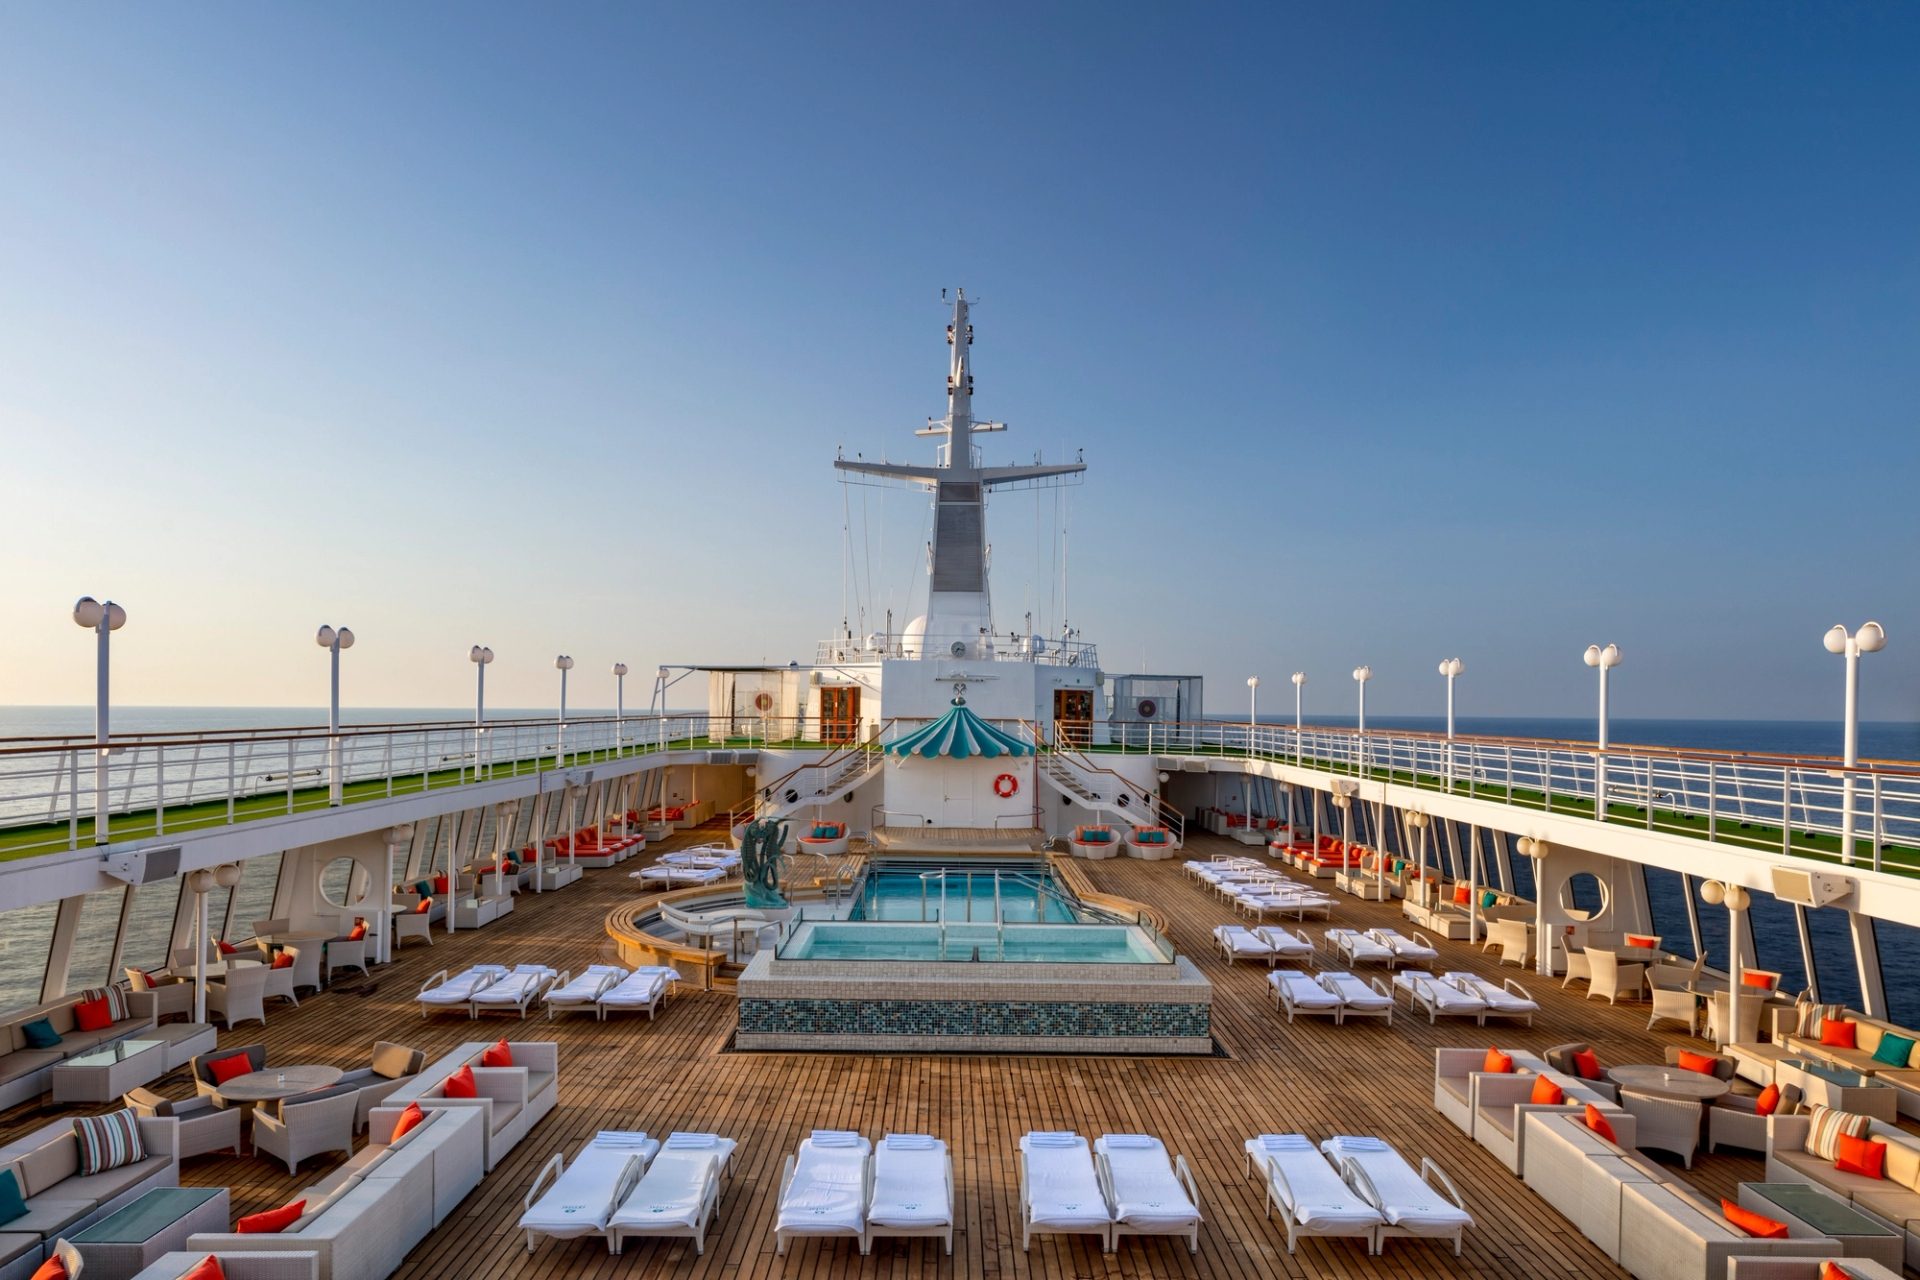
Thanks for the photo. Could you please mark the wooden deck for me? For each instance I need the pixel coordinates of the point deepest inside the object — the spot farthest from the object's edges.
(677, 1073)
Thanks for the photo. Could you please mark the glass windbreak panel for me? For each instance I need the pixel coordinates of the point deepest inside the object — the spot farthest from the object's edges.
(1899, 947)
(1667, 900)
(336, 879)
(93, 936)
(253, 898)
(26, 934)
(1713, 926)
(218, 899)
(1776, 940)
(420, 852)
(149, 933)
(1520, 868)
(1835, 967)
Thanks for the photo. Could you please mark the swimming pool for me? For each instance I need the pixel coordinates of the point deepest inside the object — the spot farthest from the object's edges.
(1026, 894)
(977, 942)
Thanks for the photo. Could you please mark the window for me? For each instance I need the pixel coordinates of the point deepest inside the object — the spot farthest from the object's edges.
(149, 931)
(93, 937)
(1713, 926)
(1519, 868)
(1667, 901)
(253, 897)
(1835, 967)
(420, 853)
(218, 899)
(26, 935)
(1899, 948)
(336, 880)
(1582, 896)
(1776, 940)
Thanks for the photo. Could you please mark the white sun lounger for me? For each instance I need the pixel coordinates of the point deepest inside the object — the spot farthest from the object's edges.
(516, 990)
(1439, 999)
(1414, 1204)
(1414, 950)
(1506, 1000)
(706, 855)
(1309, 1192)
(582, 994)
(1060, 1193)
(824, 1189)
(679, 1194)
(456, 992)
(1151, 1194)
(681, 875)
(1237, 942)
(1296, 993)
(585, 1193)
(1358, 948)
(1286, 944)
(1359, 998)
(644, 988)
(1295, 903)
(912, 1189)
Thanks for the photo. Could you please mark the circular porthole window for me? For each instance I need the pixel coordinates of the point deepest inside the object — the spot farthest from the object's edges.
(1148, 707)
(1583, 896)
(337, 882)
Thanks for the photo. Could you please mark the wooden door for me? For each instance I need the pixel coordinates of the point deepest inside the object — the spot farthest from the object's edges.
(1073, 716)
(839, 713)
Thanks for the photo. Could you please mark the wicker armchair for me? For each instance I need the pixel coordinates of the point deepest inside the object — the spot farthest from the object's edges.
(1560, 1058)
(1734, 1119)
(241, 995)
(306, 1125)
(1665, 1124)
(391, 1066)
(203, 1083)
(1610, 978)
(412, 924)
(169, 996)
(205, 1126)
(342, 953)
(1673, 1004)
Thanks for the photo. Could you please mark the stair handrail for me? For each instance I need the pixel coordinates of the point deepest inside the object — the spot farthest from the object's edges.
(1157, 807)
(868, 749)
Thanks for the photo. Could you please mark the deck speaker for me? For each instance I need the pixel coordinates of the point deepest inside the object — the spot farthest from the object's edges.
(144, 866)
(1809, 888)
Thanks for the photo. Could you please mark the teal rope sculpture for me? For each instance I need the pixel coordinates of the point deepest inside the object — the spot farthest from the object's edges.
(762, 855)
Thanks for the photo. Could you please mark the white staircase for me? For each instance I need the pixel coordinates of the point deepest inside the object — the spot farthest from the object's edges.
(1105, 792)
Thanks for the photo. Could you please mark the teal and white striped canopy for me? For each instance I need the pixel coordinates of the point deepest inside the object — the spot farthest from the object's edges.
(959, 734)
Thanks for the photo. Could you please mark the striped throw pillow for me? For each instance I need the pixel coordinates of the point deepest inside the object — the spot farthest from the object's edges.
(1813, 1015)
(116, 1000)
(109, 1141)
(1825, 1127)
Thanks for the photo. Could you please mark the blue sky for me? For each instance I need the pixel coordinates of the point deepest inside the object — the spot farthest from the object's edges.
(1390, 332)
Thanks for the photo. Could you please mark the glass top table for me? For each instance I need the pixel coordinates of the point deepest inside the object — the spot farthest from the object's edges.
(1845, 1077)
(108, 1054)
(146, 1217)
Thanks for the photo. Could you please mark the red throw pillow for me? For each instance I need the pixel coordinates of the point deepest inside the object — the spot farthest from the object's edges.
(412, 1116)
(1547, 1093)
(1586, 1064)
(460, 1084)
(272, 1221)
(92, 1015)
(208, 1268)
(497, 1054)
(151, 980)
(1462, 895)
(283, 960)
(359, 932)
(229, 1067)
(226, 948)
(1598, 1123)
(1768, 1102)
(1704, 1063)
(1864, 1156)
(1754, 1224)
(1642, 940)
(54, 1268)
(1497, 1062)
(426, 905)
(440, 884)
(1834, 1271)
(1764, 981)
(1839, 1033)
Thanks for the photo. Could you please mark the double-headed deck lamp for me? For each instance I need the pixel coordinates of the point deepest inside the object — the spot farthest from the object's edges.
(1452, 669)
(480, 656)
(1736, 899)
(1870, 638)
(619, 698)
(1360, 677)
(333, 640)
(563, 664)
(103, 620)
(1253, 707)
(1299, 725)
(1535, 850)
(1602, 660)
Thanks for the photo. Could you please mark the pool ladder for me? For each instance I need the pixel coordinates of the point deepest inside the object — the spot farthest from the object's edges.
(999, 915)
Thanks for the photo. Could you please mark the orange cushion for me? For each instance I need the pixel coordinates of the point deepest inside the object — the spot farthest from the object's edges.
(440, 884)
(208, 1268)
(1642, 940)
(1598, 1123)
(1547, 1093)
(1768, 1102)
(54, 1268)
(497, 1055)
(359, 932)
(229, 1067)
(1764, 981)
(1834, 1271)
(1864, 1156)
(1497, 1062)
(1839, 1032)
(426, 905)
(283, 961)
(460, 1084)
(226, 948)
(92, 1015)
(1754, 1224)
(412, 1116)
(1704, 1063)
(273, 1220)
(1462, 895)
(1586, 1064)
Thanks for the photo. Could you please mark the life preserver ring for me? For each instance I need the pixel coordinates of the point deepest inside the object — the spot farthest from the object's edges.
(1006, 786)
(763, 702)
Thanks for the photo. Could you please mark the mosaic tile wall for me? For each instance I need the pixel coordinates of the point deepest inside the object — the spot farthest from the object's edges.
(967, 1019)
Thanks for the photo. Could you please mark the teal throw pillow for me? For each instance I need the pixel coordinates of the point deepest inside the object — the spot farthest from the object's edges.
(1489, 899)
(1894, 1050)
(40, 1034)
(12, 1203)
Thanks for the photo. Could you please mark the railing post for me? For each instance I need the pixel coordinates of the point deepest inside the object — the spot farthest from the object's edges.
(1786, 812)
(1877, 817)
(73, 799)
(1713, 799)
(289, 784)
(159, 789)
(230, 787)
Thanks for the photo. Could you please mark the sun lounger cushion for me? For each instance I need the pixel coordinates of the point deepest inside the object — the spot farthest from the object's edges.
(642, 987)
(1303, 991)
(1355, 993)
(1063, 1192)
(670, 1194)
(1146, 1192)
(585, 986)
(582, 1199)
(828, 1190)
(1242, 941)
(1322, 1201)
(910, 1182)
(1406, 1200)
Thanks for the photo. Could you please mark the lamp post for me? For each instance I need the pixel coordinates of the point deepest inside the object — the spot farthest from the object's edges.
(1604, 660)
(1360, 677)
(480, 656)
(564, 664)
(103, 620)
(1535, 850)
(1299, 726)
(1418, 822)
(333, 641)
(1870, 638)
(619, 704)
(1451, 669)
(1253, 709)
(1737, 899)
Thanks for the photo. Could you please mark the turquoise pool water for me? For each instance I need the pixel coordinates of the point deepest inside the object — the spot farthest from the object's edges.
(1028, 943)
(896, 894)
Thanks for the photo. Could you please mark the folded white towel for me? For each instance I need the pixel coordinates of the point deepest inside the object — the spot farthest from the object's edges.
(909, 1141)
(488, 968)
(620, 1138)
(1136, 1141)
(835, 1138)
(1359, 1143)
(1285, 1142)
(1053, 1139)
(686, 1141)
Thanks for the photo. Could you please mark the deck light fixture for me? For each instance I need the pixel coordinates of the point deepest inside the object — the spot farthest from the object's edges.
(619, 700)
(1870, 638)
(1736, 899)
(1451, 668)
(1360, 677)
(564, 664)
(103, 620)
(1299, 728)
(333, 640)
(1603, 660)
(480, 656)
(1253, 708)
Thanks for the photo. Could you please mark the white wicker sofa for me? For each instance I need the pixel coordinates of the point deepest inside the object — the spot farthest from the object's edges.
(1903, 1076)
(1894, 1200)
(26, 1072)
(511, 1099)
(283, 1265)
(60, 1200)
(364, 1217)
